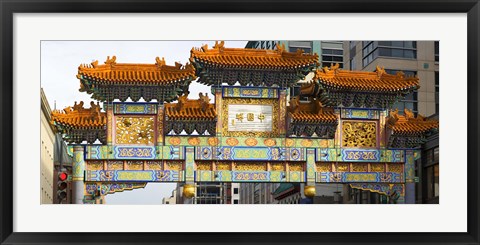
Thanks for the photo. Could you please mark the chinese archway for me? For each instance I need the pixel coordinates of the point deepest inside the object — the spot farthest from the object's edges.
(249, 131)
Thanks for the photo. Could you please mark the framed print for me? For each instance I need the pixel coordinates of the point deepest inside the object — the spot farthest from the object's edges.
(286, 109)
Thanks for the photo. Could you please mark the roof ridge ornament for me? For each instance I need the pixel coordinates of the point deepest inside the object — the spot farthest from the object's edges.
(380, 71)
(219, 45)
(280, 47)
(160, 62)
(111, 61)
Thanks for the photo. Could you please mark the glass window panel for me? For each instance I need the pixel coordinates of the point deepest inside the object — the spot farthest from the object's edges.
(397, 44)
(327, 58)
(338, 52)
(385, 52)
(385, 43)
(327, 51)
(409, 54)
(397, 52)
(436, 153)
(339, 59)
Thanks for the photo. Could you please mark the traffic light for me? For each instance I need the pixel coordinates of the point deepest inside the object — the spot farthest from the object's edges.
(62, 185)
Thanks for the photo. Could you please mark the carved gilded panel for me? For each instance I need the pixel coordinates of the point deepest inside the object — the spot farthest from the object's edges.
(359, 167)
(359, 134)
(134, 165)
(174, 165)
(396, 168)
(135, 130)
(250, 166)
(204, 166)
(278, 166)
(222, 166)
(341, 167)
(115, 165)
(153, 165)
(377, 167)
(324, 167)
(295, 166)
(94, 165)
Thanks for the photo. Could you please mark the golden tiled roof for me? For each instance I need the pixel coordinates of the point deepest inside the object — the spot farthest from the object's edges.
(312, 112)
(77, 116)
(158, 73)
(409, 124)
(187, 109)
(252, 58)
(377, 81)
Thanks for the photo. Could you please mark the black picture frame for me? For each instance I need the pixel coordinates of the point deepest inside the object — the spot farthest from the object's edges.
(9, 7)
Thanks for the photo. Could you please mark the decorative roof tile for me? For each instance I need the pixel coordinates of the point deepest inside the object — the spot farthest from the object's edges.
(187, 109)
(312, 112)
(409, 124)
(79, 117)
(154, 74)
(252, 58)
(378, 81)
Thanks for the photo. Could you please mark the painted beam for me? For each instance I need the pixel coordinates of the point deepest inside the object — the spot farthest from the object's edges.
(134, 176)
(358, 155)
(359, 177)
(249, 176)
(242, 153)
(104, 152)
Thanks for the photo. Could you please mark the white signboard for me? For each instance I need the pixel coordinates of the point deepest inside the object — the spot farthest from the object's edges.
(254, 118)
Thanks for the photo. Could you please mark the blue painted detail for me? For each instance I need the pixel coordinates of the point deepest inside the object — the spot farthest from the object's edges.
(134, 175)
(134, 152)
(359, 177)
(246, 153)
(135, 108)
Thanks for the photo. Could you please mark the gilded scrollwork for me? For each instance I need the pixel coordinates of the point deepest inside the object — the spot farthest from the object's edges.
(250, 166)
(250, 101)
(295, 166)
(94, 165)
(324, 167)
(377, 167)
(395, 167)
(278, 166)
(115, 165)
(359, 134)
(153, 165)
(204, 166)
(222, 166)
(135, 165)
(174, 165)
(135, 130)
(359, 167)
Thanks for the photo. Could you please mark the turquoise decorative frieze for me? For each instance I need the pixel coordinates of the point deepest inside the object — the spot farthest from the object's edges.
(134, 175)
(310, 166)
(134, 152)
(250, 92)
(359, 177)
(359, 155)
(135, 108)
(103, 152)
(109, 188)
(245, 153)
(360, 114)
(189, 163)
(249, 176)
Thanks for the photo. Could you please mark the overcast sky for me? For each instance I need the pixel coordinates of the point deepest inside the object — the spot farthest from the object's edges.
(59, 67)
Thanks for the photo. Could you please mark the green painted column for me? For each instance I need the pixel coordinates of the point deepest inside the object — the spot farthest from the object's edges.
(78, 172)
(410, 176)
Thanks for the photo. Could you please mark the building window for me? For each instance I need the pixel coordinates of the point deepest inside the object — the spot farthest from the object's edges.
(235, 201)
(410, 101)
(397, 49)
(437, 92)
(235, 190)
(306, 46)
(437, 51)
(352, 65)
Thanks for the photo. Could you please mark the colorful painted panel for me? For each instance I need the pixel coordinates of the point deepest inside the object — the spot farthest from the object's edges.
(387, 189)
(250, 153)
(356, 155)
(360, 114)
(248, 176)
(254, 92)
(137, 130)
(134, 152)
(349, 177)
(171, 152)
(134, 175)
(135, 108)
(109, 188)
(189, 163)
(248, 141)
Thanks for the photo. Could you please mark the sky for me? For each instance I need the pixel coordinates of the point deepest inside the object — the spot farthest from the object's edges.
(59, 67)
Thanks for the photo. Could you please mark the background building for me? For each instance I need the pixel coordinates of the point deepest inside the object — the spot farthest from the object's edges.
(210, 193)
(47, 136)
(257, 193)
